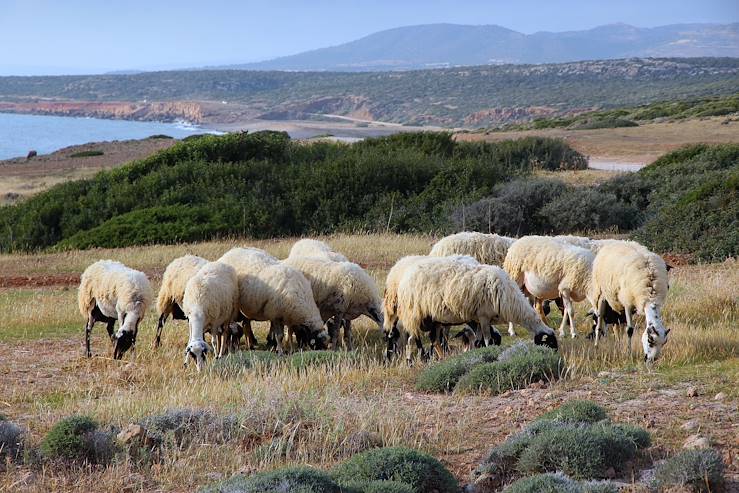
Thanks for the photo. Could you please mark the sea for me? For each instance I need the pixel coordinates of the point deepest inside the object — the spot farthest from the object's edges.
(44, 134)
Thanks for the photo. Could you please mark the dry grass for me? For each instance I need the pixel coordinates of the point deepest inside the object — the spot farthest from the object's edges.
(322, 414)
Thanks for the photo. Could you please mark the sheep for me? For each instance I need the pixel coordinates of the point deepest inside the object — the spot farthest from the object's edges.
(275, 292)
(315, 248)
(549, 269)
(169, 299)
(110, 291)
(210, 303)
(342, 291)
(629, 277)
(488, 249)
(446, 291)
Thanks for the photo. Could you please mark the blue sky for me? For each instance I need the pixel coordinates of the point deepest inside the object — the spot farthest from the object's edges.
(86, 36)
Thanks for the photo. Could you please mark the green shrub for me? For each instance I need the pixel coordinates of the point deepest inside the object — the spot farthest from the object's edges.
(576, 411)
(558, 483)
(11, 440)
(234, 363)
(416, 469)
(289, 479)
(159, 136)
(377, 487)
(180, 427)
(77, 438)
(307, 359)
(540, 363)
(87, 153)
(444, 375)
(636, 434)
(583, 452)
(587, 209)
(608, 122)
(699, 470)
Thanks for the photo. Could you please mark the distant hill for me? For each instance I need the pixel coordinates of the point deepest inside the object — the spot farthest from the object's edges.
(469, 96)
(447, 45)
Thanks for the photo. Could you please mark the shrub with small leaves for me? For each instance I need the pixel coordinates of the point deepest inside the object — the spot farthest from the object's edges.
(181, 427)
(235, 363)
(699, 470)
(77, 438)
(558, 483)
(289, 479)
(576, 411)
(416, 469)
(377, 487)
(443, 376)
(307, 359)
(519, 371)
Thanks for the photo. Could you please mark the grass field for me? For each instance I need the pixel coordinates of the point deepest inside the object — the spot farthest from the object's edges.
(319, 415)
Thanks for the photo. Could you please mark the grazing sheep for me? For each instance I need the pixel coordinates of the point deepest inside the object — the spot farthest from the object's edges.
(550, 269)
(628, 277)
(488, 249)
(446, 291)
(275, 292)
(210, 303)
(169, 300)
(110, 291)
(315, 248)
(342, 291)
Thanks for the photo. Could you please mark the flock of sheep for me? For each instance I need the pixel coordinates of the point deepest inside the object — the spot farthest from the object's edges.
(316, 292)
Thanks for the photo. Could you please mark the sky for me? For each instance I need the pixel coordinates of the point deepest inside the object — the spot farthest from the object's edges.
(93, 36)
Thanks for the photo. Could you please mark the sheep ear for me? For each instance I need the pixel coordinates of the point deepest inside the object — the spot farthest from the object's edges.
(667, 331)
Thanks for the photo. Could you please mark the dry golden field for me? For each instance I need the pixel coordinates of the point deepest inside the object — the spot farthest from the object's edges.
(321, 415)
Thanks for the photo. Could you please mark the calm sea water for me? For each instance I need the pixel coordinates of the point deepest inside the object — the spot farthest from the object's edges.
(44, 134)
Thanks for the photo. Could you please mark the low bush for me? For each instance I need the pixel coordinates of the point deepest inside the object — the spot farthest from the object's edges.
(307, 359)
(87, 153)
(520, 370)
(77, 438)
(160, 136)
(180, 427)
(443, 376)
(234, 363)
(587, 209)
(698, 470)
(420, 471)
(609, 122)
(289, 479)
(11, 440)
(558, 483)
(377, 487)
(576, 411)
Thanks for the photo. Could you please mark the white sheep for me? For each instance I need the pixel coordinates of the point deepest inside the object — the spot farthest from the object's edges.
(446, 291)
(488, 249)
(342, 291)
(110, 291)
(275, 292)
(210, 303)
(172, 291)
(627, 276)
(548, 269)
(308, 247)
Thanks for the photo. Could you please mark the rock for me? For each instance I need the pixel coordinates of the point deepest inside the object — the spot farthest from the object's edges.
(720, 396)
(537, 385)
(130, 433)
(690, 425)
(692, 392)
(696, 442)
(610, 473)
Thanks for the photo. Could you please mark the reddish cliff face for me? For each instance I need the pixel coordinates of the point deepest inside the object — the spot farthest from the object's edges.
(156, 111)
(496, 116)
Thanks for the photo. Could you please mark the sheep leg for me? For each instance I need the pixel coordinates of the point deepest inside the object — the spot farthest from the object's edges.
(567, 314)
(348, 341)
(334, 327)
(251, 340)
(629, 326)
(602, 304)
(485, 330)
(88, 332)
(278, 333)
(111, 329)
(571, 317)
(539, 306)
(160, 326)
(511, 331)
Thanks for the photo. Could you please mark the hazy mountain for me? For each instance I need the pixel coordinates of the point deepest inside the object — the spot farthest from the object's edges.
(438, 45)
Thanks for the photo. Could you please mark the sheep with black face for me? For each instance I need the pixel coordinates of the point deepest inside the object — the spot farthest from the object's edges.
(109, 292)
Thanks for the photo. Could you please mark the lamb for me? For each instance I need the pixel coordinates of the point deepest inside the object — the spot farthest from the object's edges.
(342, 291)
(548, 269)
(628, 277)
(315, 248)
(172, 291)
(275, 292)
(110, 291)
(446, 291)
(210, 303)
(488, 249)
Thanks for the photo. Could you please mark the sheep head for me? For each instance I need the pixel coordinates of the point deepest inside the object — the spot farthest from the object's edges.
(197, 350)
